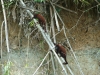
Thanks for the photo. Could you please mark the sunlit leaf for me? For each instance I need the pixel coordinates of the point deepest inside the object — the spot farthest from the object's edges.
(31, 23)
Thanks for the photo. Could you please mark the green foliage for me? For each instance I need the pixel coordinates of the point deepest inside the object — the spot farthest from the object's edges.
(39, 0)
(7, 68)
(31, 23)
(8, 4)
(85, 3)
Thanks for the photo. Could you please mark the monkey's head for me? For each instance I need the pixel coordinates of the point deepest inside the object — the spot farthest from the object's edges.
(56, 46)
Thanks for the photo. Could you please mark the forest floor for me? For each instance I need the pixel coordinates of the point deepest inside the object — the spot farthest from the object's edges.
(23, 63)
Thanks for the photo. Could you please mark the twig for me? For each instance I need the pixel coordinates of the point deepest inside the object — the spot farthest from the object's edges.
(53, 63)
(52, 25)
(41, 63)
(77, 22)
(5, 21)
(68, 68)
(1, 37)
(73, 54)
(65, 8)
(62, 29)
(23, 5)
(82, 15)
(27, 49)
(19, 38)
(14, 13)
(57, 24)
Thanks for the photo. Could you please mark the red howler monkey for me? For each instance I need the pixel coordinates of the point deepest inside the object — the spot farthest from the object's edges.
(62, 51)
(41, 20)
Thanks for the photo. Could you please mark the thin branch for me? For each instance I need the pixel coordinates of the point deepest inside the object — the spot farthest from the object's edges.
(52, 25)
(77, 22)
(27, 52)
(73, 54)
(5, 21)
(23, 5)
(57, 24)
(14, 13)
(68, 68)
(64, 8)
(19, 43)
(1, 37)
(41, 63)
(82, 15)
(53, 63)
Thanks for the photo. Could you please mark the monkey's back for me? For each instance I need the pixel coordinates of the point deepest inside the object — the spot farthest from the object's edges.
(40, 18)
(62, 49)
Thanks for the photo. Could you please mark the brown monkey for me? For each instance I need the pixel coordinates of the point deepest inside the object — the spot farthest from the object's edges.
(62, 51)
(41, 20)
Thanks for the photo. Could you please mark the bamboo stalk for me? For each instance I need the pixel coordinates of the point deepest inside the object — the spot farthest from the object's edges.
(48, 68)
(53, 63)
(56, 19)
(52, 25)
(68, 68)
(5, 21)
(1, 37)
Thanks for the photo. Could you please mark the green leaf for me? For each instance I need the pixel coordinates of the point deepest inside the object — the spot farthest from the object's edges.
(31, 23)
(7, 68)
